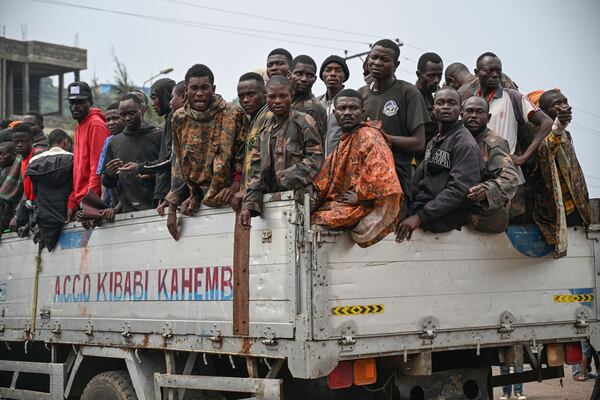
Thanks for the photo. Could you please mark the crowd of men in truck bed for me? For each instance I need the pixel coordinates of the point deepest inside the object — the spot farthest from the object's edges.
(388, 157)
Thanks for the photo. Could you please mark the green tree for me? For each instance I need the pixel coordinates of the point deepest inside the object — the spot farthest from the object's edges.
(123, 83)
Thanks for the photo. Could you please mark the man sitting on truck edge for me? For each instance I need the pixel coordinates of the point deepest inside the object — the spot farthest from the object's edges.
(357, 186)
(51, 173)
(499, 177)
(208, 144)
(253, 100)
(563, 198)
(286, 156)
(451, 166)
(137, 143)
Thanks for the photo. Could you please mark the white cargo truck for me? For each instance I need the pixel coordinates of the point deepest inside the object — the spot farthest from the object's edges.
(125, 312)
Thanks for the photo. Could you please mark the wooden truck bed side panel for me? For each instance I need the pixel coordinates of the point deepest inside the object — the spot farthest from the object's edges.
(463, 279)
(132, 271)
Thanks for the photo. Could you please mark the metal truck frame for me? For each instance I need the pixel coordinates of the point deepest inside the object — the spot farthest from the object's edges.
(125, 306)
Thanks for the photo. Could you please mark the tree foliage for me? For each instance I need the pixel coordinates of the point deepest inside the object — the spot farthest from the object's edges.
(123, 83)
(108, 93)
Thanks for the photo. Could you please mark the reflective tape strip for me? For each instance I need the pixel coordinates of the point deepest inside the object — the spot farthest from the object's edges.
(573, 298)
(358, 310)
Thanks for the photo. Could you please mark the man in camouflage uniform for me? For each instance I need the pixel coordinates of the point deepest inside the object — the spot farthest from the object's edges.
(304, 75)
(499, 177)
(208, 140)
(286, 156)
(253, 100)
(563, 199)
(279, 62)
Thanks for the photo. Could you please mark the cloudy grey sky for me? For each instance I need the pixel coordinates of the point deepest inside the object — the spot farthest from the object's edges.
(542, 44)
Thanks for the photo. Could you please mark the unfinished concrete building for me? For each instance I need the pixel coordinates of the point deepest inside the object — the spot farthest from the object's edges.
(24, 64)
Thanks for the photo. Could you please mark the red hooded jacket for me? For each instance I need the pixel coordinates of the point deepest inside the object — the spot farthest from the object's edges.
(89, 140)
(27, 184)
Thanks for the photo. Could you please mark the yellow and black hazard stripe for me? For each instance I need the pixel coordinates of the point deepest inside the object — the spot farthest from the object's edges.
(573, 298)
(358, 310)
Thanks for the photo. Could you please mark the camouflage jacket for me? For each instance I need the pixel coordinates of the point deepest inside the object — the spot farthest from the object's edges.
(285, 157)
(208, 150)
(556, 157)
(310, 105)
(260, 122)
(500, 180)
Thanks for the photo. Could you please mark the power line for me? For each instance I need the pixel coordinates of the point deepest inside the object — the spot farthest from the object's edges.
(290, 22)
(233, 12)
(240, 31)
(271, 18)
(213, 27)
(586, 129)
(592, 130)
(587, 112)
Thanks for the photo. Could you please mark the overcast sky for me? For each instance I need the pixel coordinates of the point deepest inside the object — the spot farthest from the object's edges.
(542, 44)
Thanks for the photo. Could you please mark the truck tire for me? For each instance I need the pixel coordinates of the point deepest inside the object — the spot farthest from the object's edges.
(110, 385)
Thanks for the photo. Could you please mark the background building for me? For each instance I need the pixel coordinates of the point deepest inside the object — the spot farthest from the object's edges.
(23, 65)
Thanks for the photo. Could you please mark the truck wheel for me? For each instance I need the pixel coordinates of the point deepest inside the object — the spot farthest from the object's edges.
(110, 385)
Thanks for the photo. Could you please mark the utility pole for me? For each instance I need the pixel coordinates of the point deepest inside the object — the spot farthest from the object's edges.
(364, 53)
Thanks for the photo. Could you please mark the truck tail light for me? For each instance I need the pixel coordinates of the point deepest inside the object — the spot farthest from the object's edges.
(573, 353)
(556, 354)
(365, 372)
(341, 376)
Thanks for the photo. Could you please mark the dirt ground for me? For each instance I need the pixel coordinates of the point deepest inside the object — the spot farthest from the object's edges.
(570, 389)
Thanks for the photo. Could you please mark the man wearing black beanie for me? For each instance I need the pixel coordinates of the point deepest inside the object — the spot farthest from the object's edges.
(334, 72)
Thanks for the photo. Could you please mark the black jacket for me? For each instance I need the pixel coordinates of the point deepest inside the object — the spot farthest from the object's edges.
(139, 145)
(162, 89)
(451, 166)
(162, 165)
(52, 177)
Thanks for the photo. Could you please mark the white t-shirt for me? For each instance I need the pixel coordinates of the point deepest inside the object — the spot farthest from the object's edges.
(504, 122)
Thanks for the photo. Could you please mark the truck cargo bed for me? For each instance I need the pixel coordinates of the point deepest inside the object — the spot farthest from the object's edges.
(315, 297)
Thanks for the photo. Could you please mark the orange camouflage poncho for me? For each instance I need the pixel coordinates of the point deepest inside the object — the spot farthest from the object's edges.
(362, 162)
